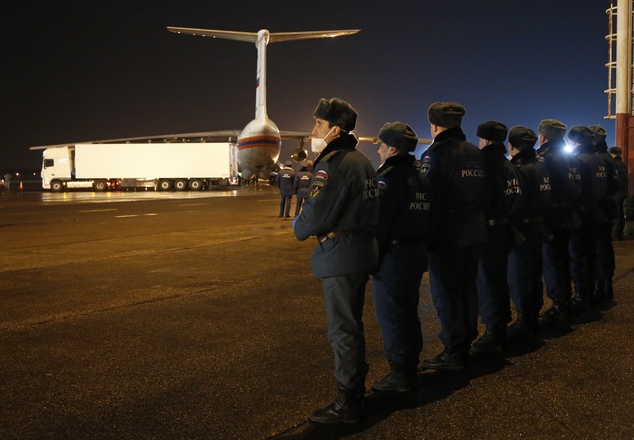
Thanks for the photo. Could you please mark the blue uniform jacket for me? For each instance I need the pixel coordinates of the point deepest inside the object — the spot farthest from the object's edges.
(344, 200)
(455, 169)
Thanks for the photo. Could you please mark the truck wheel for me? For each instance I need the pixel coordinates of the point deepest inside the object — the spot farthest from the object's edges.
(180, 184)
(195, 184)
(100, 185)
(165, 185)
(57, 186)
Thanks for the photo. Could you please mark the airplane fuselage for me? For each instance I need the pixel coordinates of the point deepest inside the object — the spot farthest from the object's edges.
(259, 147)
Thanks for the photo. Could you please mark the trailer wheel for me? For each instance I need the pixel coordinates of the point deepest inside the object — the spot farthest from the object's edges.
(100, 185)
(165, 185)
(57, 186)
(195, 184)
(180, 184)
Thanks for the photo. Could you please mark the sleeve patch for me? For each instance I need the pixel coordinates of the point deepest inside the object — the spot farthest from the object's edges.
(316, 188)
(321, 174)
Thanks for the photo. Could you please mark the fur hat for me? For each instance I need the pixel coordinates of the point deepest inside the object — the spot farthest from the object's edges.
(522, 138)
(398, 135)
(552, 128)
(599, 134)
(615, 150)
(581, 134)
(337, 112)
(446, 114)
(492, 131)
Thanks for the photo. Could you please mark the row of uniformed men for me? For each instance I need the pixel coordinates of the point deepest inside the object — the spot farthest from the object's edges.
(467, 215)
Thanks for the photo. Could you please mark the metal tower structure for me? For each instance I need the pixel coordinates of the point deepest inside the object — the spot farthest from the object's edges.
(620, 78)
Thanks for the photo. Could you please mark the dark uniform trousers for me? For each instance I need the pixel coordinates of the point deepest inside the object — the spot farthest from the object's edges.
(605, 251)
(344, 296)
(458, 315)
(556, 266)
(395, 289)
(582, 256)
(492, 282)
(525, 277)
(285, 204)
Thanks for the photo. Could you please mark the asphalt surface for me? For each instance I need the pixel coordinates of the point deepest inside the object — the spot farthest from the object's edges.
(195, 316)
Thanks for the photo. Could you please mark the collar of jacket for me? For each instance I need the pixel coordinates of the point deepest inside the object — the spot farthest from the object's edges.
(345, 141)
(553, 146)
(495, 148)
(524, 156)
(601, 147)
(585, 148)
(450, 133)
(401, 160)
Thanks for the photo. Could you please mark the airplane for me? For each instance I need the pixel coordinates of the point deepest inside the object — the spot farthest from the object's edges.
(259, 143)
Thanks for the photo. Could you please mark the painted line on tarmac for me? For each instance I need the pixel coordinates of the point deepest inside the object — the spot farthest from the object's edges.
(98, 210)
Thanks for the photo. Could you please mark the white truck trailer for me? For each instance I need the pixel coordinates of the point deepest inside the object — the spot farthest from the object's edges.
(164, 166)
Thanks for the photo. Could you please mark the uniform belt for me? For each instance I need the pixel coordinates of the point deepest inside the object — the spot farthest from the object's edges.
(334, 234)
(406, 240)
(498, 221)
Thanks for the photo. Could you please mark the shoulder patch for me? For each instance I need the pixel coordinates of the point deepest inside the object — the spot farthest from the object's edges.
(321, 174)
(382, 185)
(316, 188)
(425, 164)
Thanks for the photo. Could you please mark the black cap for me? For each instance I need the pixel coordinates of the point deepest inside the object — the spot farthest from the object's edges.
(581, 134)
(522, 138)
(446, 114)
(492, 131)
(615, 150)
(599, 134)
(398, 135)
(336, 111)
(552, 128)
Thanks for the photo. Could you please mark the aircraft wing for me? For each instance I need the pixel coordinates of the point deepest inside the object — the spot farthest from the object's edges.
(376, 140)
(295, 135)
(253, 36)
(203, 136)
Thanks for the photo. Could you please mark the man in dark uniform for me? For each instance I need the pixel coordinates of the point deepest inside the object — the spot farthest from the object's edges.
(342, 208)
(525, 262)
(503, 204)
(603, 234)
(621, 194)
(401, 231)
(284, 181)
(301, 186)
(455, 169)
(561, 218)
(594, 187)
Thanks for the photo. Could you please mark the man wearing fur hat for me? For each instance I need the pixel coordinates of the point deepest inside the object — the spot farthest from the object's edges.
(603, 234)
(455, 169)
(401, 232)
(342, 208)
(565, 181)
(594, 188)
(502, 209)
(525, 261)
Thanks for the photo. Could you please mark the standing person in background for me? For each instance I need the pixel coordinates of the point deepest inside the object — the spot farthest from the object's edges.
(502, 209)
(594, 187)
(7, 181)
(301, 186)
(525, 261)
(401, 232)
(455, 169)
(603, 232)
(342, 208)
(561, 218)
(284, 180)
(621, 194)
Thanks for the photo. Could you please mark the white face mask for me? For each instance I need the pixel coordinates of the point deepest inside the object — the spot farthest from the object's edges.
(317, 145)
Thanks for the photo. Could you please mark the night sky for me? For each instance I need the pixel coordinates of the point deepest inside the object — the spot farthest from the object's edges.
(76, 71)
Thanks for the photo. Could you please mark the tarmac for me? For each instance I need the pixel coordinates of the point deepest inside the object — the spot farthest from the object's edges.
(181, 316)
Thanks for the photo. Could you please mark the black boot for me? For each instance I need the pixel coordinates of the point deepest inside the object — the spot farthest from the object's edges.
(524, 329)
(492, 341)
(580, 304)
(400, 378)
(557, 314)
(609, 291)
(598, 295)
(449, 360)
(348, 407)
